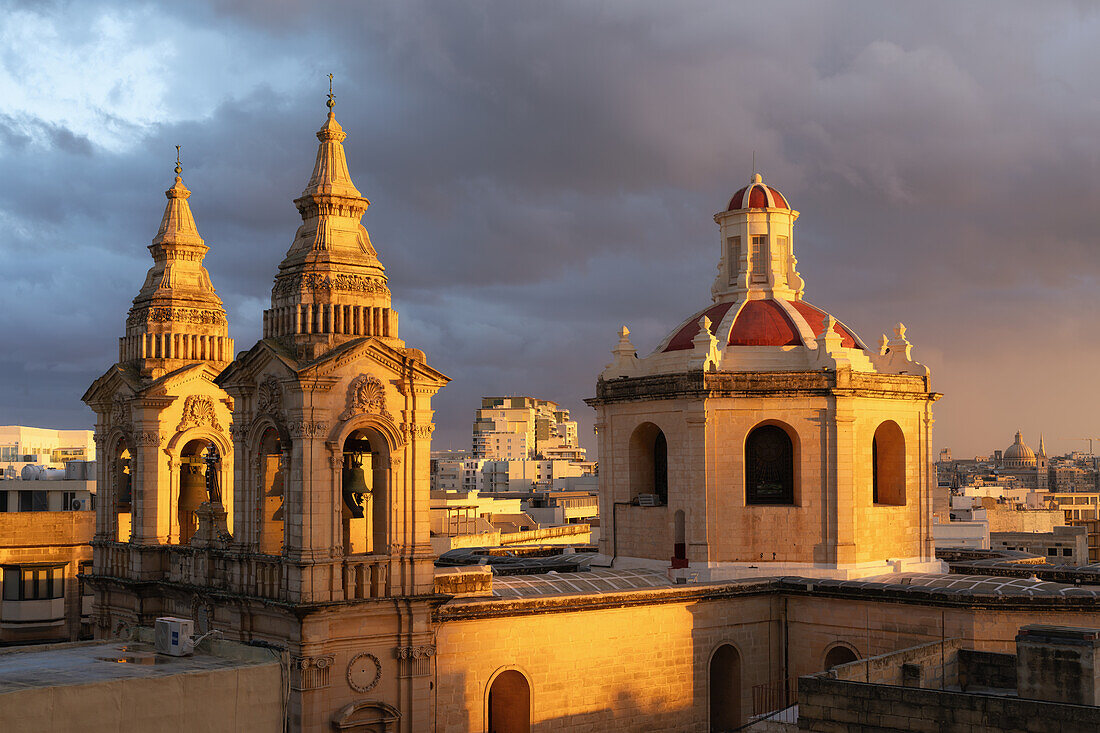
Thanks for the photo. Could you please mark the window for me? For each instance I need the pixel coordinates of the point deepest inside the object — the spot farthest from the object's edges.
(1066, 552)
(733, 257)
(769, 466)
(759, 258)
(1052, 551)
(888, 465)
(649, 462)
(32, 501)
(34, 583)
(782, 252)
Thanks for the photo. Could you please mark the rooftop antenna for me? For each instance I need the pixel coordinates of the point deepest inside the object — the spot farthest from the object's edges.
(753, 163)
(331, 97)
(179, 166)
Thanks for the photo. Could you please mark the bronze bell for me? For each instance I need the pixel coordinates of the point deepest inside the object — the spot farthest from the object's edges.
(355, 485)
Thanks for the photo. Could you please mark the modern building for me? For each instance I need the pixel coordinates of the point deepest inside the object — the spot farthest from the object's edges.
(520, 428)
(21, 446)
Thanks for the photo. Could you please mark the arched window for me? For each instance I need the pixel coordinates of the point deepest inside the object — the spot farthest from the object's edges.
(839, 654)
(725, 689)
(271, 494)
(769, 466)
(357, 488)
(888, 465)
(510, 703)
(199, 482)
(649, 462)
(122, 479)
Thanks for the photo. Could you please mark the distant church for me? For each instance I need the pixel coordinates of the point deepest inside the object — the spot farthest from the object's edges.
(765, 488)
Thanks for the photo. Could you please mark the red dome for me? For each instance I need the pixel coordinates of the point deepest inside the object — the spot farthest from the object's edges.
(757, 195)
(762, 323)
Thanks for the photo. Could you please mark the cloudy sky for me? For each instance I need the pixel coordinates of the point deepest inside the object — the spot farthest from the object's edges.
(541, 173)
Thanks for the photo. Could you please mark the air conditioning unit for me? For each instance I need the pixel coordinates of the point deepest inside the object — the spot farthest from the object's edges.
(649, 500)
(76, 505)
(174, 636)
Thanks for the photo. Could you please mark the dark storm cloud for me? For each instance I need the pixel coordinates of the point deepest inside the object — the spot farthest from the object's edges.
(542, 173)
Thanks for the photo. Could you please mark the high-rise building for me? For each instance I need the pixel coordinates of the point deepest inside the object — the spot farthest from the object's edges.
(520, 428)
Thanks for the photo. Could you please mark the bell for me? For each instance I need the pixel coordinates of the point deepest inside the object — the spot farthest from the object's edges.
(355, 485)
(192, 494)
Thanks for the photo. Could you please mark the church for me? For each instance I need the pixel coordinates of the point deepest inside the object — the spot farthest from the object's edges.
(765, 495)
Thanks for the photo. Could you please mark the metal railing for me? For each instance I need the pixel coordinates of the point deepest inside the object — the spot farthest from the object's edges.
(776, 700)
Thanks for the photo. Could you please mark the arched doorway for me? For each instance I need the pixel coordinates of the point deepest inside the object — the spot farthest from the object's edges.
(725, 689)
(271, 493)
(769, 466)
(199, 481)
(510, 703)
(888, 465)
(649, 461)
(839, 654)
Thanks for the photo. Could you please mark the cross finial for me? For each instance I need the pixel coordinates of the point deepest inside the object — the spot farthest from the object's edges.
(331, 97)
(179, 166)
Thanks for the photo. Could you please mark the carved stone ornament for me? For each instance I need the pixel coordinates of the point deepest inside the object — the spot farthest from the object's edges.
(364, 672)
(414, 661)
(306, 428)
(161, 314)
(366, 395)
(313, 282)
(100, 438)
(269, 396)
(146, 438)
(311, 673)
(120, 413)
(417, 431)
(198, 410)
(414, 652)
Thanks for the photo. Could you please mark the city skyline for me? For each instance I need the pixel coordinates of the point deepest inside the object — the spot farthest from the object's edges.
(528, 198)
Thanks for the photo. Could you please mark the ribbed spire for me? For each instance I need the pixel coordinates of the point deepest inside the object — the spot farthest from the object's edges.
(177, 226)
(176, 317)
(330, 288)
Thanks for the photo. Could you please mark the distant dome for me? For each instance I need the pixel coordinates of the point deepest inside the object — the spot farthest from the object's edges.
(757, 195)
(763, 322)
(1018, 455)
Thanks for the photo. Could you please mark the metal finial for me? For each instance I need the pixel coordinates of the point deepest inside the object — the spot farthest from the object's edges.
(753, 163)
(331, 97)
(179, 166)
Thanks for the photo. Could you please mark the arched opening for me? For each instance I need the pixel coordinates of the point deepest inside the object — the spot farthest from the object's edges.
(271, 493)
(122, 482)
(679, 539)
(361, 487)
(888, 465)
(649, 462)
(200, 481)
(510, 703)
(839, 654)
(725, 689)
(769, 466)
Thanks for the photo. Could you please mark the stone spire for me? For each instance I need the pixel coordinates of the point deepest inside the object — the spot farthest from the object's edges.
(176, 318)
(330, 288)
(1042, 446)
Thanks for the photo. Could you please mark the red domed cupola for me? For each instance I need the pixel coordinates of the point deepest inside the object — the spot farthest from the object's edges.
(757, 195)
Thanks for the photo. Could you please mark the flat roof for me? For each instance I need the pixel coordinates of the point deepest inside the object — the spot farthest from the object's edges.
(89, 662)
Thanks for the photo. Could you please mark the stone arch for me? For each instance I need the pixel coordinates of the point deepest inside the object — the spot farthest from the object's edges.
(118, 496)
(369, 716)
(186, 491)
(772, 464)
(269, 471)
(888, 465)
(367, 518)
(839, 652)
(648, 453)
(508, 701)
(724, 687)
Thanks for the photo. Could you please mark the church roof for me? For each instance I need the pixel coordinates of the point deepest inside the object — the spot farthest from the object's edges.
(1019, 450)
(757, 195)
(763, 322)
